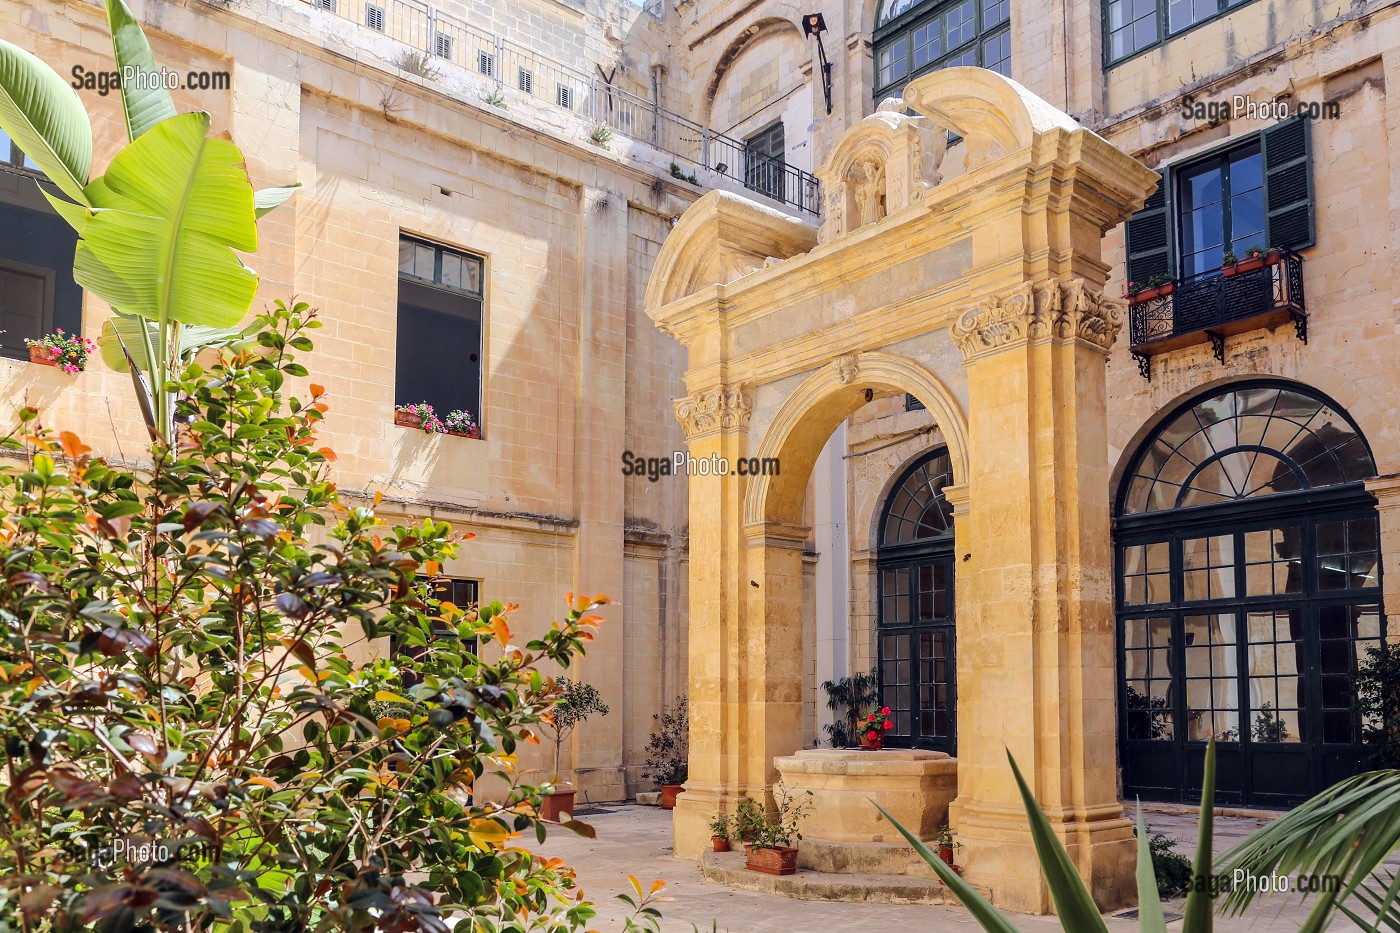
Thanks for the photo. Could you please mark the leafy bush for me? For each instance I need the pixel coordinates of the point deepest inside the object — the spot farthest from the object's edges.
(1378, 695)
(668, 748)
(175, 670)
(1172, 869)
(846, 697)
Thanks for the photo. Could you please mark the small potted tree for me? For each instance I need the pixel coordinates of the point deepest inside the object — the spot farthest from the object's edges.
(668, 751)
(748, 817)
(774, 850)
(946, 844)
(719, 832)
(576, 701)
(873, 729)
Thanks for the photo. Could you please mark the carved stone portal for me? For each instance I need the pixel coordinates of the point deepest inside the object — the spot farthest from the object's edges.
(1000, 273)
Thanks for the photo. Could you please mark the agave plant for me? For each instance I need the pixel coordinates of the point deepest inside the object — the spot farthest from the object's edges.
(1074, 905)
(157, 232)
(1344, 833)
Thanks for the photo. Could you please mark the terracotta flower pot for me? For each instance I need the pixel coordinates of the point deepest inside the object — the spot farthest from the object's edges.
(1272, 257)
(557, 804)
(872, 745)
(773, 861)
(1147, 294)
(720, 843)
(42, 355)
(475, 431)
(668, 795)
(407, 419)
(946, 854)
(1244, 265)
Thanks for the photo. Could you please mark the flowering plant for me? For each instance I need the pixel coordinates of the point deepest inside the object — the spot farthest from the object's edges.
(1132, 288)
(69, 353)
(877, 724)
(459, 422)
(427, 418)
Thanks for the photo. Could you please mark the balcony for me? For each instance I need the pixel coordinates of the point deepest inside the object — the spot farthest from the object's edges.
(1209, 307)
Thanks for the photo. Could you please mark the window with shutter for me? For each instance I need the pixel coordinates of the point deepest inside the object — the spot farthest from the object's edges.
(374, 17)
(1288, 183)
(1149, 238)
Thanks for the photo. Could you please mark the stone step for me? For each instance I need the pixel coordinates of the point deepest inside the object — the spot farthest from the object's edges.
(862, 858)
(727, 868)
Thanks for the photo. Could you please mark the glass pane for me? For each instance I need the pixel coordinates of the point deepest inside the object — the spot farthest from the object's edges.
(1275, 666)
(1212, 702)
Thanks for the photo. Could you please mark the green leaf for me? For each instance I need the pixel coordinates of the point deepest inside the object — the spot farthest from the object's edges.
(1150, 916)
(976, 904)
(192, 339)
(43, 114)
(145, 101)
(120, 509)
(269, 198)
(169, 212)
(1197, 912)
(1073, 903)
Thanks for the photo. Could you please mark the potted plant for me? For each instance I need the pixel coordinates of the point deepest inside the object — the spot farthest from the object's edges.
(774, 850)
(461, 423)
(1254, 257)
(946, 844)
(419, 415)
(668, 751)
(68, 353)
(574, 702)
(1158, 286)
(719, 832)
(873, 729)
(748, 817)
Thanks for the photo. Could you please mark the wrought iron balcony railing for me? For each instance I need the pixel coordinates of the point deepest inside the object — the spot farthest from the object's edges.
(1217, 304)
(444, 40)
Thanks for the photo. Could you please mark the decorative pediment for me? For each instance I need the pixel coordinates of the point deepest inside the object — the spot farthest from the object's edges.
(720, 238)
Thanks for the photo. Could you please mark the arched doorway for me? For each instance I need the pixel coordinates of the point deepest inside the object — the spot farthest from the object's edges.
(1248, 586)
(916, 638)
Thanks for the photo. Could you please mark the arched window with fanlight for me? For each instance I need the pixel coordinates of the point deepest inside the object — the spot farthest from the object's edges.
(1248, 589)
(915, 637)
(913, 38)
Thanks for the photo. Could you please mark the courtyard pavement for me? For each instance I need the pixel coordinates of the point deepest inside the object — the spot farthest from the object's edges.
(637, 840)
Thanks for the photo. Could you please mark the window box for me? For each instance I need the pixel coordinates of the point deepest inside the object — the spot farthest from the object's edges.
(1148, 294)
(407, 419)
(43, 356)
(1271, 258)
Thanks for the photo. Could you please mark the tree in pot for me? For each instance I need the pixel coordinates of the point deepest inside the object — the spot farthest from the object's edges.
(719, 831)
(575, 701)
(846, 697)
(668, 750)
(774, 850)
(747, 818)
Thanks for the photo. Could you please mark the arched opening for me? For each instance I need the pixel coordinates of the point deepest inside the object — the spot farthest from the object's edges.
(916, 657)
(1248, 589)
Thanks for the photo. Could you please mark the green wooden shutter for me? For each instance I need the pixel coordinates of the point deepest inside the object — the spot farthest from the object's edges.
(1288, 184)
(1150, 238)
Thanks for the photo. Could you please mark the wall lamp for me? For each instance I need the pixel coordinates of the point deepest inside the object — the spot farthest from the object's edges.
(814, 24)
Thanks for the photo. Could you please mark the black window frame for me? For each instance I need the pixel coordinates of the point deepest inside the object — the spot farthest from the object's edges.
(765, 161)
(920, 15)
(462, 592)
(1152, 236)
(1161, 12)
(437, 283)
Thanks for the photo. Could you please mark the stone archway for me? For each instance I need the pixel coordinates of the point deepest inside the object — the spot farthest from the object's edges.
(981, 295)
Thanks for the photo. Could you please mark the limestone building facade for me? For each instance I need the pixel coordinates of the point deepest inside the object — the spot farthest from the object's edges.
(486, 189)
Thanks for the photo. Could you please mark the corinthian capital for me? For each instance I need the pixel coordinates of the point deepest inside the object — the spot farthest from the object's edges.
(723, 408)
(1064, 311)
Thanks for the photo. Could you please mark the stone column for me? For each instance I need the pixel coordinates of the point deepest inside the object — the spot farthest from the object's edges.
(1036, 661)
(716, 422)
(1386, 489)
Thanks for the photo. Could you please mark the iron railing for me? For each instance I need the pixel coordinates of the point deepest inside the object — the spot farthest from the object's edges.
(1214, 305)
(443, 40)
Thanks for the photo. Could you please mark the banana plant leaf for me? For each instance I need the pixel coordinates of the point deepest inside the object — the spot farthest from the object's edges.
(43, 114)
(121, 338)
(165, 219)
(145, 102)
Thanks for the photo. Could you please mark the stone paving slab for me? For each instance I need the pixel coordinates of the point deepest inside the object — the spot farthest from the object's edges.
(637, 840)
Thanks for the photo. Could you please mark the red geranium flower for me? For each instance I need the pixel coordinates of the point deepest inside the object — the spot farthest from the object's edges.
(885, 711)
(872, 736)
(888, 724)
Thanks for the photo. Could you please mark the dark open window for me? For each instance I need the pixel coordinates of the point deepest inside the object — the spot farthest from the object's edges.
(765, 162)
(915, 38)
(439, 328)
(1248, 562)
(37, 291)
(459, 592)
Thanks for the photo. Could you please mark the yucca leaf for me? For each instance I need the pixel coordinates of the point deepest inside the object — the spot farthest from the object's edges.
(1150, 916)
(43, 115)
(976, 904)
(1073, 902)
(145, 101)
(168, 214)
(1197, 913)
